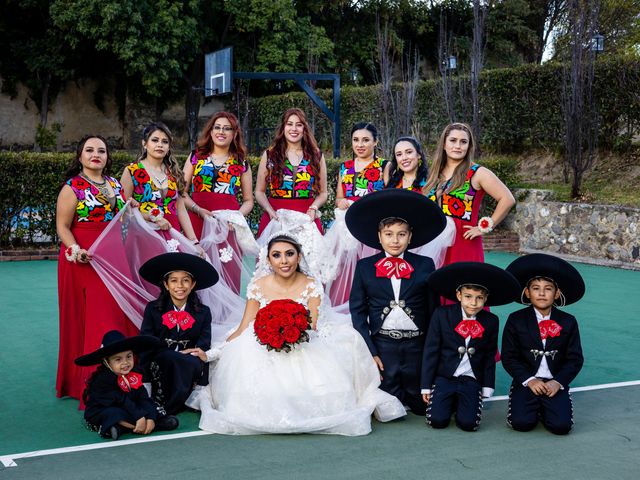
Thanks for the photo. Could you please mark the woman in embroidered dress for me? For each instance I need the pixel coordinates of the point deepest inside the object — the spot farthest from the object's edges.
(156, 182)
(292, 173)
(408, 167)
(87, 202)
(457, 184)
(326, 385)
(216, 172)
(359, 176)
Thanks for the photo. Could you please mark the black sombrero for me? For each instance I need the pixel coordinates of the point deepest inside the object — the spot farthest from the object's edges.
(425, 217)
(155, 269)
(115, 342)
(536, 265)
(503, 287)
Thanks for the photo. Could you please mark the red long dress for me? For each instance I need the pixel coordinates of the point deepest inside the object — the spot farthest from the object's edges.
(463, 206)
(87, 310)
(216, 188)
(295, 191)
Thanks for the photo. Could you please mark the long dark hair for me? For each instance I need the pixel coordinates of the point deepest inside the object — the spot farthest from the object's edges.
(459, 176)
(237, 148)
(75, 167)
(277, 152)
(395, 173)
(169, 159)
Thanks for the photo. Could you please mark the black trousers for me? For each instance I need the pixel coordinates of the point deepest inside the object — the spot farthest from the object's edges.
(462, 395)
(402, 360)
(525, 408)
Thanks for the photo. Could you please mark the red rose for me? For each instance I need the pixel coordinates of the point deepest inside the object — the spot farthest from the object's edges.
(277, 341)
(301, 322)
(372, 174)
(141, 175)
(291, 334)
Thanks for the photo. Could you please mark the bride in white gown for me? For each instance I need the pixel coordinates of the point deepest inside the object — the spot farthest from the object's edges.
(327, 385)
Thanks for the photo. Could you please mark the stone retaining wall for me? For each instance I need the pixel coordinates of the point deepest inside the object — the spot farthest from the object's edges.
(600, 234)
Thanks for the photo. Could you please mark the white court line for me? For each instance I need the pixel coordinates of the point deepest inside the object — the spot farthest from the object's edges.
(9, 460)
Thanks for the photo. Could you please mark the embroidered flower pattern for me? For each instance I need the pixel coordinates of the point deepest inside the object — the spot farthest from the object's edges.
(458, 203)
(207, 177)
(297, 182)
(359, 184)
(148, 194)
(92, 205)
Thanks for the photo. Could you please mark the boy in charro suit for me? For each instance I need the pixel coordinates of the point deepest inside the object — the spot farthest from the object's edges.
(541, 346)
(459, 367)
(390, 301)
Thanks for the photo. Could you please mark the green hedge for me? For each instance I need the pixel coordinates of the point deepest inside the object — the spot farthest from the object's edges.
(521, 107)
(33, 180)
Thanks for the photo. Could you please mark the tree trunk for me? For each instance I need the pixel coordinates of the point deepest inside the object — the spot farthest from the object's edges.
(44, 106)
(194, 82)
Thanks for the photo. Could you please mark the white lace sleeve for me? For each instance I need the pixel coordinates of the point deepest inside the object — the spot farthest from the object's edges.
(313, 289)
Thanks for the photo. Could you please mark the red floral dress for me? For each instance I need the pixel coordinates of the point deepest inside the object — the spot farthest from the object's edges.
(214, 187)
(463, 205)
(358, 184)
(293, 192)
(150, 196)
(87, 310)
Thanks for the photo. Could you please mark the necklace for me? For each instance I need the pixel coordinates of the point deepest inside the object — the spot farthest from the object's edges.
(103, 187)
(298, 157)
(215, 158)
(157, 180)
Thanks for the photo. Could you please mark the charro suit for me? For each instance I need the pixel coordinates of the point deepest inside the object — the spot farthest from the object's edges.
(443, 352)
(522, 353)
(371, 300)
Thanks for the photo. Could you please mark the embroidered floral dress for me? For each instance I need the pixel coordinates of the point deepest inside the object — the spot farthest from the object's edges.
(327, 385)
(150, 196)
(412, 187)
(358, 184)
(463, 206)
(87, 310)
(293, 192)
(214, 187)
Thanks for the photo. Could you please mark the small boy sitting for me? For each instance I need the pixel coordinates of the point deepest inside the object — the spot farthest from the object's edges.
(390, 301)
(541, 346)
(458, 366)
(116, 400)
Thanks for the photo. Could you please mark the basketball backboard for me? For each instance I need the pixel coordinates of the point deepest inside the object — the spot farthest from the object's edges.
(218, 68)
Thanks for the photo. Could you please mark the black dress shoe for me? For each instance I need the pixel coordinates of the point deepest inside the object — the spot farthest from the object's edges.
(167, 422)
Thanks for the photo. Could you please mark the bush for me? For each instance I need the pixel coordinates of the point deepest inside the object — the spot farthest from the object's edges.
(33, 180)
(521, 107)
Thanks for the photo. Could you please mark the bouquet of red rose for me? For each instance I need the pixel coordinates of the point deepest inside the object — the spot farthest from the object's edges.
(282, 324)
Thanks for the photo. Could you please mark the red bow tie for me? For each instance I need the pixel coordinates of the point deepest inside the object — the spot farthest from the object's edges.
(470, 328)
(130, 381)
(393, 267)
(173, 318)
(549, 328)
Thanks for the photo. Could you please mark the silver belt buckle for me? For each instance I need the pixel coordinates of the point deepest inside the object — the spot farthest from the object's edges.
(395, 334)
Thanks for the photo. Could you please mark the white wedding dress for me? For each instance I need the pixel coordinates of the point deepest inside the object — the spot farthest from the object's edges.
(327, 385)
